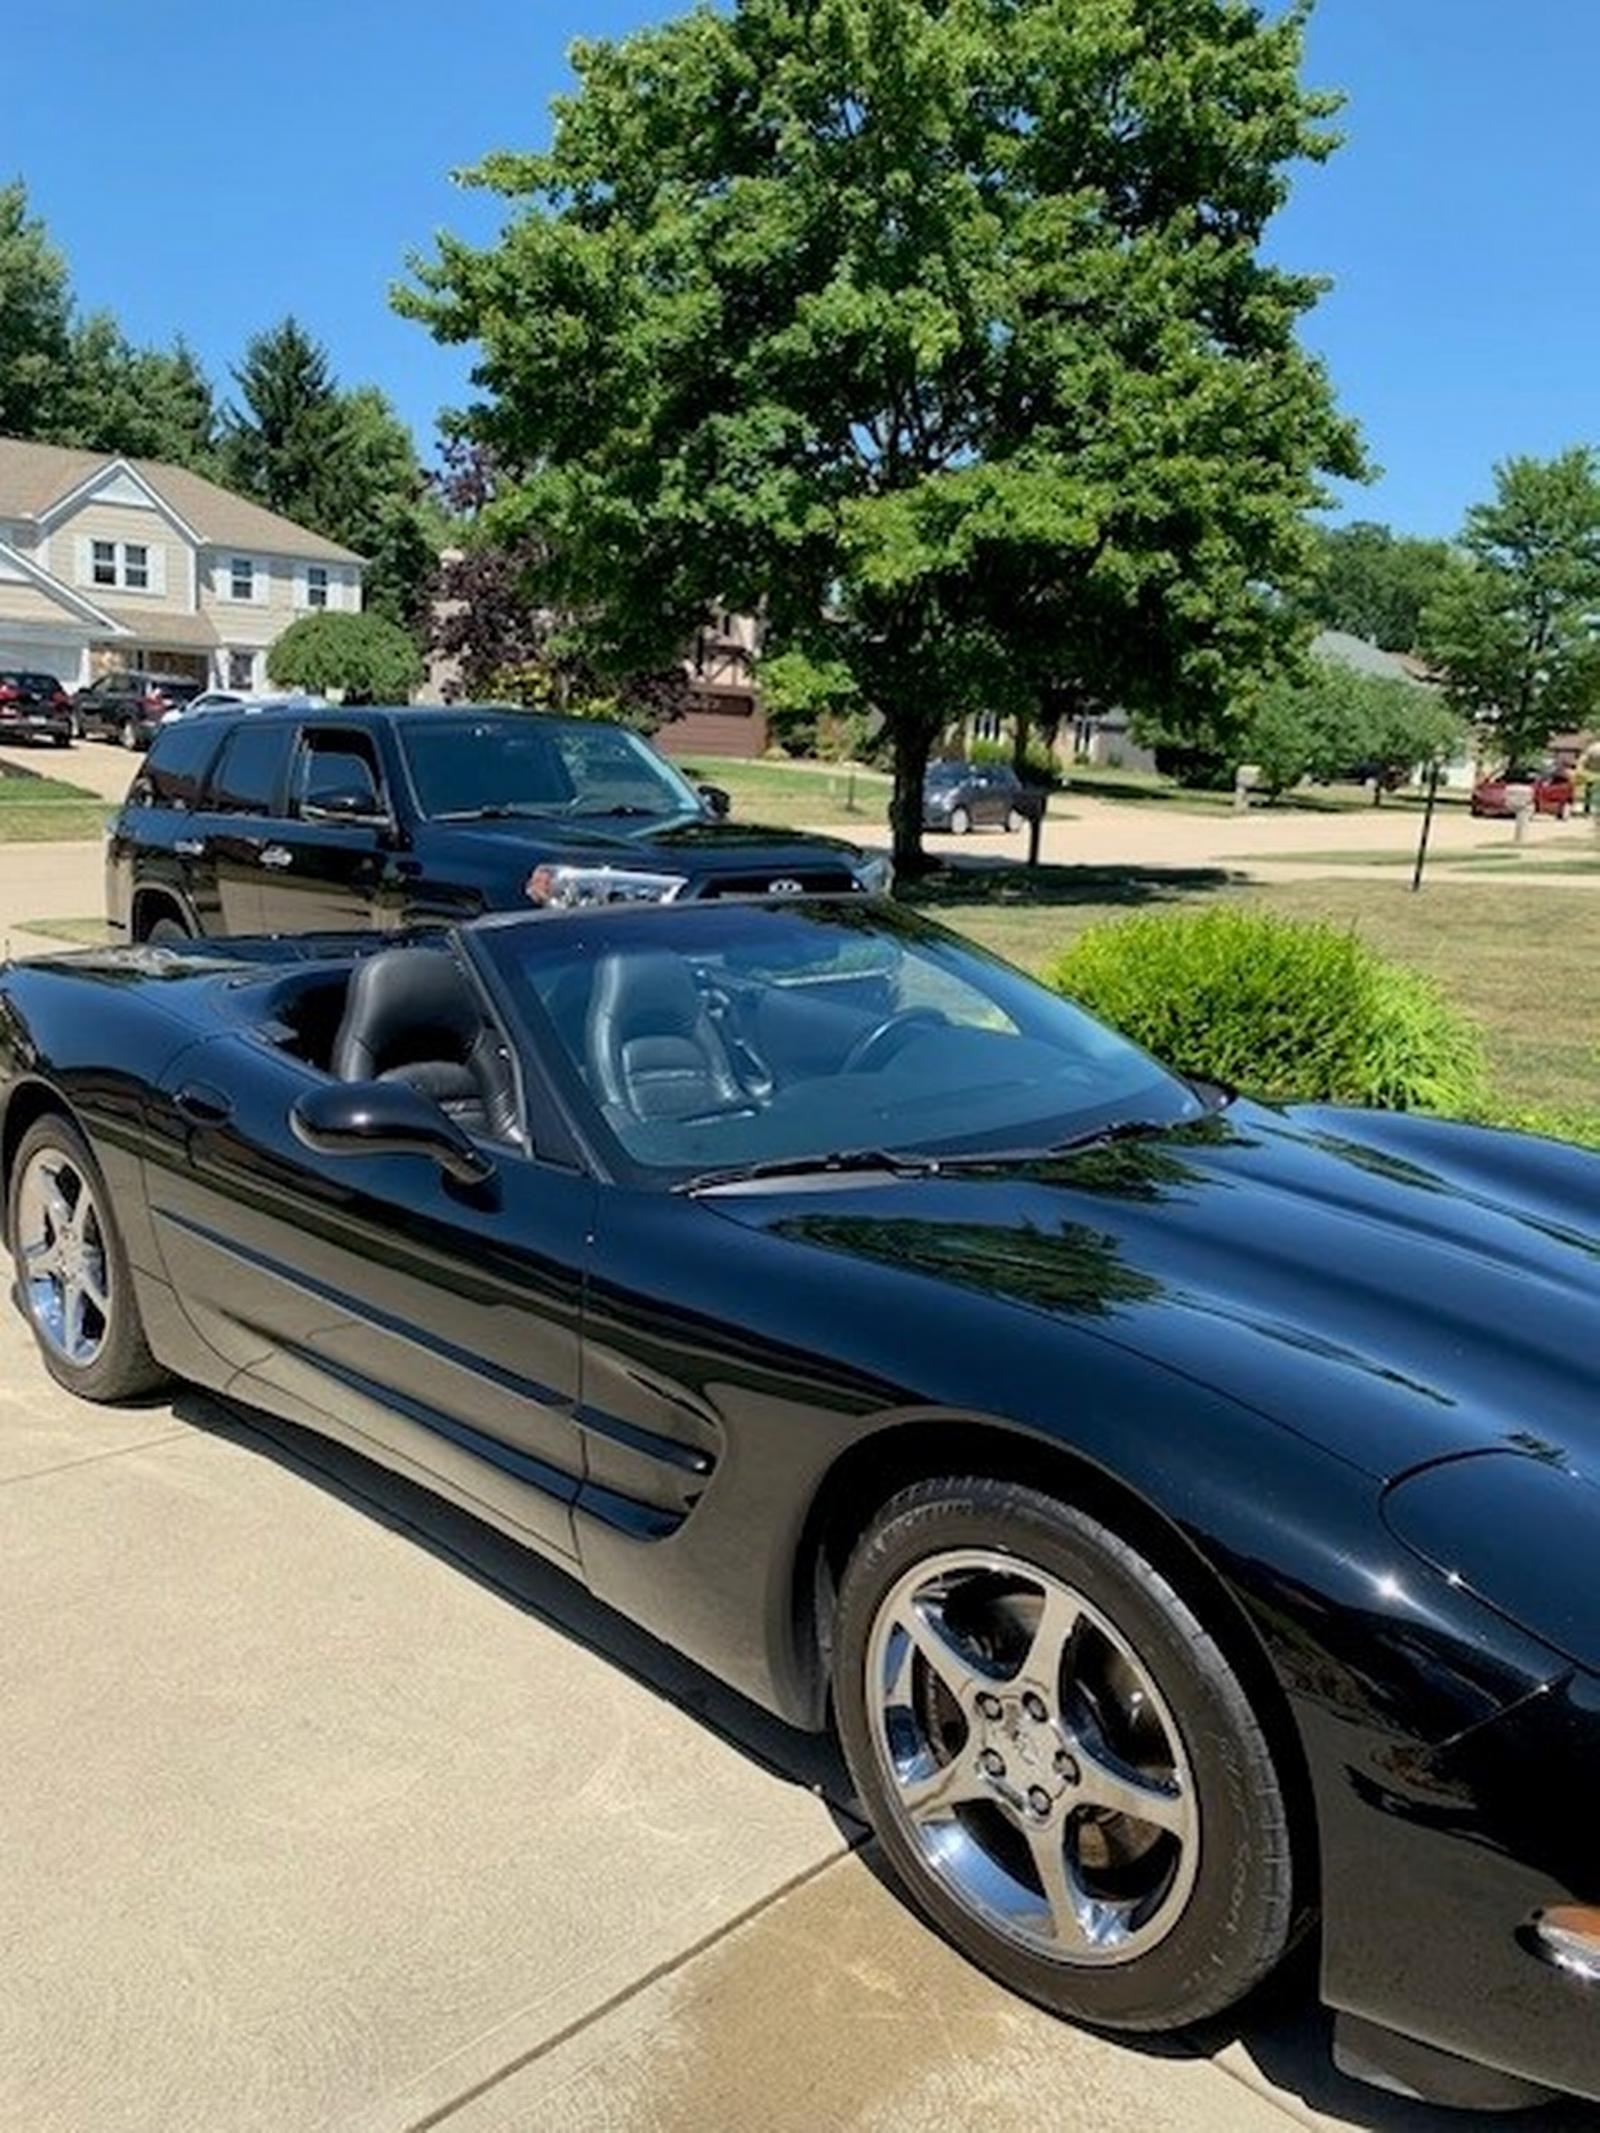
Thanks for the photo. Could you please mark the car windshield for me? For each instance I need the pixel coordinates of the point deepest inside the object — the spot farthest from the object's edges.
(466, 767)
(947, 773)
(720, 1037)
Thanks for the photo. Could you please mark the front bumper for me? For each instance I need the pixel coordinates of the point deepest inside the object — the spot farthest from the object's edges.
(1445, 1859)
(36, 726)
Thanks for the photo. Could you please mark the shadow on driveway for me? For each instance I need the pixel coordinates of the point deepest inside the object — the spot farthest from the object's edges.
(1283, 2029)
(1013, 883)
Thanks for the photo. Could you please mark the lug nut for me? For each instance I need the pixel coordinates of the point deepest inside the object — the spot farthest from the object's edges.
(1066, 1767)
(1034, 1706)
(1038, 1799)
(991, 1763)
(988, 1706)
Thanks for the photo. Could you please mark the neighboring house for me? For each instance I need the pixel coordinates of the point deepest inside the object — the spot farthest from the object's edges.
(109, 562)
(723, 714)
(1340, 648)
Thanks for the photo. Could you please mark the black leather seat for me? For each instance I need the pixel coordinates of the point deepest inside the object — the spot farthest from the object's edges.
(412, 1015)
(654, 1051)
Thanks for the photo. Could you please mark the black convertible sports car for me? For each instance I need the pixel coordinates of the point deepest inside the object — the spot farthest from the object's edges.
(1183, 1509)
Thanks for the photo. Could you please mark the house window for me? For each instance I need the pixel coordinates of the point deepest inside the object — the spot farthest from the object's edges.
(135, 566)
(241, 670)
(105, 562)
(241, 578)
(316, 585)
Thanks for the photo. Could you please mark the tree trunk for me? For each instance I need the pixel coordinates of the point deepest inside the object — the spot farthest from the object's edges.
(1021, 727)
(912, 744)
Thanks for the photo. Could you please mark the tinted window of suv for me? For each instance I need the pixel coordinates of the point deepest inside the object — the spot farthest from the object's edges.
(176, 766)
(247, 779)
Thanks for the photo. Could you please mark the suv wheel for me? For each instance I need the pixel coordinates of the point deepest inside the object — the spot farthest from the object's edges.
(960, 821)
(128, 733)
(167, 928)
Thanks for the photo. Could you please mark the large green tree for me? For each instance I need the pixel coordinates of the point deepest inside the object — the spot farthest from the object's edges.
(939, 328)
(150, 403)
(340, 462)
(35, 320)
(1376, 583)
(1516, 635)
(1334, 722)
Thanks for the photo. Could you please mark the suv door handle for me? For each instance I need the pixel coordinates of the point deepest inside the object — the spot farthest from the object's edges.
(276, 855)
(189, 847)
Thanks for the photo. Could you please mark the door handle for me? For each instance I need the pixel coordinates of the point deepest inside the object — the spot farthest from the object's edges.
(189, 847)
(276, 855)
(204, 1106)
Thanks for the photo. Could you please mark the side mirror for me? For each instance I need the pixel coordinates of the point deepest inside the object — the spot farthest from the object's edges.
(717, 802)
(387, 1118)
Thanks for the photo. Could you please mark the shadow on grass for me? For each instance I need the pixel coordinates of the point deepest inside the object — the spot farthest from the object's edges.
(1013, 884)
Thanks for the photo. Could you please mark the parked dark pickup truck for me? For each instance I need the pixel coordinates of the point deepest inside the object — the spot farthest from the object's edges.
(291, 820)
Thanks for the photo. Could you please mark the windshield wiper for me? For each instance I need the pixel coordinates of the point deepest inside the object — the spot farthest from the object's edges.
(909, 1163)
(625, 807)
(897, 1164)
(496, 811)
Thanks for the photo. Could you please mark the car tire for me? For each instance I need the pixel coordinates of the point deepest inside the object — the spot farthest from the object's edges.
(1016, 820)
(128, 733)
(61, 740)
(960, 821)
(167, 930)
(986, 1812)
(95, 1349)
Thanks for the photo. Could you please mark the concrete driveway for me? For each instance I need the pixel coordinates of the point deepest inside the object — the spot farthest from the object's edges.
(328, 1811)
(98, 766)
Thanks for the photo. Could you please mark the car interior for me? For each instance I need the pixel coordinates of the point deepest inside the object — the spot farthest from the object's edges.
(701, 1059)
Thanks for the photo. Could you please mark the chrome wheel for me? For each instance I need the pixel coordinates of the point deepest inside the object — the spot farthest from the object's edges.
(62, 1259)
(1031, 1759)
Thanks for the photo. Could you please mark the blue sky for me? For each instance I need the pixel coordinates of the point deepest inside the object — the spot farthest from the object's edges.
(309, 142)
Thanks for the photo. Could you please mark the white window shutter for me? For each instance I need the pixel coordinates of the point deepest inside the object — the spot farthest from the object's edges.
(301, 595)
(158, 567)
(84, 551)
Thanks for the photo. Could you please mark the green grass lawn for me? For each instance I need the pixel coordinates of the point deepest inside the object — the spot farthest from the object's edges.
(1148, 787)
(35, 808)
(82, 932)
(1518, 957)
(790, 794)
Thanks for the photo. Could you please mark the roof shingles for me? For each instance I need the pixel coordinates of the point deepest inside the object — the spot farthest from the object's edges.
(33, 477)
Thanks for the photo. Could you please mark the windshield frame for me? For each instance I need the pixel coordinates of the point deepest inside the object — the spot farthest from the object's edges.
(490, 942)
(691, 807)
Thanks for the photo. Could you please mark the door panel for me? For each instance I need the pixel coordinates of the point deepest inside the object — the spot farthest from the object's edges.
(330, 882)
(441, 1324)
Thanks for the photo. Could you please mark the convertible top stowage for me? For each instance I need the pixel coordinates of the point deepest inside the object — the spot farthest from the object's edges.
(1183, 1509)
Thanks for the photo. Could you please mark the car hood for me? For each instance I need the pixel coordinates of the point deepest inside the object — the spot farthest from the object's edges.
(1398, 1289)
(692, 847)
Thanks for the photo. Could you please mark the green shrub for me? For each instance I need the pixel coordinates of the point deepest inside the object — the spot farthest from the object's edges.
(1039, 766)
(1281, 1007)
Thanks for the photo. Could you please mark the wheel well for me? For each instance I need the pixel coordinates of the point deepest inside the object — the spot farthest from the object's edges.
(33, 1100)
(867, 1476)
(151, 904)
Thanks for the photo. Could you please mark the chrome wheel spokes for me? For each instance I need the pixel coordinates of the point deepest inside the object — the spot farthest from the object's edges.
(62, 1258)
(1031, 1758)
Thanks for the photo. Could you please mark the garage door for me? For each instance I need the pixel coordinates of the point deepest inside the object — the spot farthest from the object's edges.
(60, 660)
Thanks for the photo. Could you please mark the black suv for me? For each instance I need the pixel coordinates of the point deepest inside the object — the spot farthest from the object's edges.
(34, 707)
(129, 707)
(301, 821)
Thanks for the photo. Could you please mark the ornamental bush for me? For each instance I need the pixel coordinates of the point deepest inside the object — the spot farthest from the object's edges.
(1281, 1007)
(364, 658)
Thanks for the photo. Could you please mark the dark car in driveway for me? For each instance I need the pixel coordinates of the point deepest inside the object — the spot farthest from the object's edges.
(294, 819)
(1184, 1509)
(129, 707)
(959, 797)
(34, 707)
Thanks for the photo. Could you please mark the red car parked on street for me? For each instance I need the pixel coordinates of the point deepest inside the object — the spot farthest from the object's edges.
(1554, 793)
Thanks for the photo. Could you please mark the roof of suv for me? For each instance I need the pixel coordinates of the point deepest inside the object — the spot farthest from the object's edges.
(275, 708)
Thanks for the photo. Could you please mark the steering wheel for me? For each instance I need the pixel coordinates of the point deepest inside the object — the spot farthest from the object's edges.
(879, 1045)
